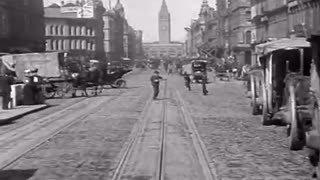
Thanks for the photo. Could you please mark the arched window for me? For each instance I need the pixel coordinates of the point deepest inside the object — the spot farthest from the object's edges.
(51, 30)
(78, 44)
(73, 44)
(78, 33)
(47, 30)
(89, 45)
(48, 45)
(84, 44)
(72, 30)
(83, 31)
(57, 45)
(248, 37)
(93, 47)
(61, 30)
(88, 32)
(93, 33)
(56, 30)
(62, 45)
(54, 47)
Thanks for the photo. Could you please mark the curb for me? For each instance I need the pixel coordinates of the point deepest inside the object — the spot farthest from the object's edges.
(18, 116)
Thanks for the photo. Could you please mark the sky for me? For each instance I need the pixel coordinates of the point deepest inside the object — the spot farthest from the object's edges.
(143, 15)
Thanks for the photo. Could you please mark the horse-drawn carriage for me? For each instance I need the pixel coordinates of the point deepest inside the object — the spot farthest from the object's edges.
(62, 77)
(199, 70)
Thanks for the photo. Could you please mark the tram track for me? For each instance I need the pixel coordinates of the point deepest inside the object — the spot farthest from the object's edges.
(148, 154)
(18, 142)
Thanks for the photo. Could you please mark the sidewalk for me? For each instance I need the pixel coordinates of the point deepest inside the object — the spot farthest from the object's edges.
(19, 111)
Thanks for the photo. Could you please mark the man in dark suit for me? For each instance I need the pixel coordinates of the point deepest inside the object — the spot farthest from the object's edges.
(5, 89)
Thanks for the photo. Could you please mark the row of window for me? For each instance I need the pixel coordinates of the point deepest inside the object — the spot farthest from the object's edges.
(54, 30)
(57, 45)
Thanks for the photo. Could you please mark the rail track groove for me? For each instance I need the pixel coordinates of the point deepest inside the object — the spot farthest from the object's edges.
(125, 169)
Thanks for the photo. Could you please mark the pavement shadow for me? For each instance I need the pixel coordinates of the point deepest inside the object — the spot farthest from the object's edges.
(161, 99)
(17, 174)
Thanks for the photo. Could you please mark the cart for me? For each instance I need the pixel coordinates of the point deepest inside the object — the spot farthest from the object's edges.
(286, 70)
(51, 67)
(199, 70)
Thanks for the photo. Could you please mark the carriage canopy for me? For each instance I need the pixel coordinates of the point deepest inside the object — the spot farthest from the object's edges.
(286, 43)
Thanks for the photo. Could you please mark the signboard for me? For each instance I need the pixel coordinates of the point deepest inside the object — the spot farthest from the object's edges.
(74, 9)
(87, 11)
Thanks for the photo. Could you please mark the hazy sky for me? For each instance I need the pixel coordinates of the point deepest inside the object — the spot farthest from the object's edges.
(143, 15)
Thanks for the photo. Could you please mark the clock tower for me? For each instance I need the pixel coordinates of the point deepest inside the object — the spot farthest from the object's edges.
(164, 24)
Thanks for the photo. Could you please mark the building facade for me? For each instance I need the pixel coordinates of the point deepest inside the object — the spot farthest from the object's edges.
(240, 30)
(81, 37)
(202, 35)
(121, 41)
(22, 26)
(164, 47)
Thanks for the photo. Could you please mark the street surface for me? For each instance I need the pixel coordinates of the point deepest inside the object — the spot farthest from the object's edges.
(122, 134)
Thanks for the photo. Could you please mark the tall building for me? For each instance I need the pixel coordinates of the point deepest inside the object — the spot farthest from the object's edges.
(164, 47)
(22, 26)
(202, 37)
(120, 40)
(164, 24)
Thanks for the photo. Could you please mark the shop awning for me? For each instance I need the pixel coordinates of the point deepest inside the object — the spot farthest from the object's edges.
(286, 43)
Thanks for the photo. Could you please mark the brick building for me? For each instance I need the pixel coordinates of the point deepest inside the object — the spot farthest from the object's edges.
(22, 26)
(67, 30)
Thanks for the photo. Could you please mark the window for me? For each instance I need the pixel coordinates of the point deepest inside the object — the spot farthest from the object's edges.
(78, 44)
(48, 45)
(83, 31)
(72, 30)
(73, 44)
(84, 44)
(78, 32)
(61, 30)
(57, 30)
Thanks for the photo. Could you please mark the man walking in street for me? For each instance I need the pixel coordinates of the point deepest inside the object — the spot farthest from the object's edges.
(187, 80)
(155, 82)
(204, 86)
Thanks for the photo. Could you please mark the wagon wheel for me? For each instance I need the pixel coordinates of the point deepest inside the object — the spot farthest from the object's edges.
(119, 83)
(295, 141)
(48, 90)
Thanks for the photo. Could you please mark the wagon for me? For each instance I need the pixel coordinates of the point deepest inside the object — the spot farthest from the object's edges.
(286, 70)
(199, 70)
(51, 67)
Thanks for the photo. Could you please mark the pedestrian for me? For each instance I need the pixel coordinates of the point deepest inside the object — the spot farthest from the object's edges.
(5, 89)
(204, 86)
(155, 82)
(187, 80)
(38, 81)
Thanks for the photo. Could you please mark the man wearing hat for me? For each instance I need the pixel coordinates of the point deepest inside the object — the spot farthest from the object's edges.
(6, 80)
(155, 82)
